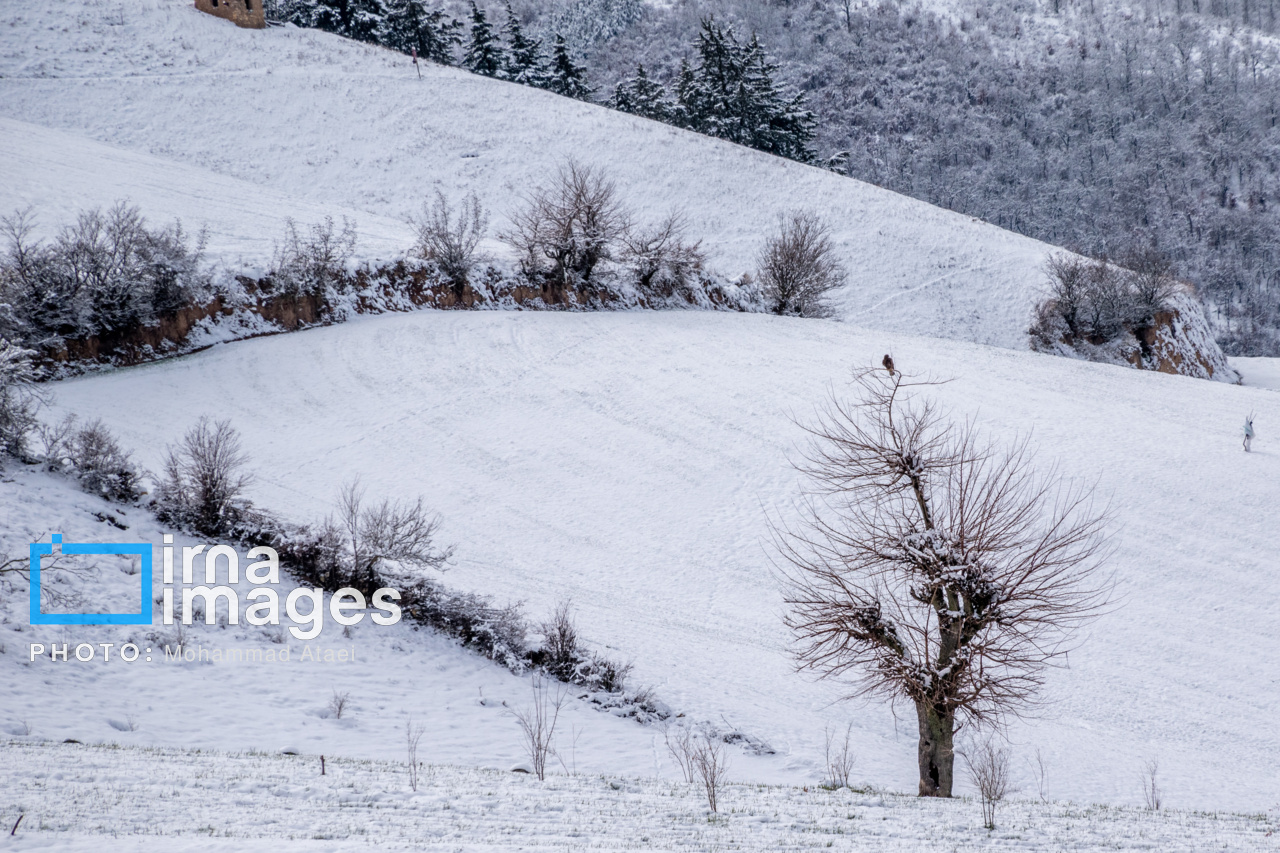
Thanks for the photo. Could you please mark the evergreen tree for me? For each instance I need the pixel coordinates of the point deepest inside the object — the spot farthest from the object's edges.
(409, 26)
(639, 95)
(567, 77)
(364, 20)
(484, 52)
(732, 95)
(524, 55)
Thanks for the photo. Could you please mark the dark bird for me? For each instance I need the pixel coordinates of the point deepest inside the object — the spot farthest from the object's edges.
(888, 364)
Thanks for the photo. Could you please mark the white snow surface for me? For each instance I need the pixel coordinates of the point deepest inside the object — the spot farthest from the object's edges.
(350, 127)
(629, 461)
(1258, 371)
(99, 799)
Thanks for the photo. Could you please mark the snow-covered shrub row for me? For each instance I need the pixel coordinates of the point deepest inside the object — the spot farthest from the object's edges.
(103, 276)
(111, 290)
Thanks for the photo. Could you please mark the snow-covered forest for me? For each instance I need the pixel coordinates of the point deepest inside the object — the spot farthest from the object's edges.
(1110, 130)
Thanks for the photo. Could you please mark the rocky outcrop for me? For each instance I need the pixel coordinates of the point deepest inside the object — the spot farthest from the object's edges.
(1177, 340)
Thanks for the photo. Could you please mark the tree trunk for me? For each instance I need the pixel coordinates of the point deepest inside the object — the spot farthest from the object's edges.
(937, 756)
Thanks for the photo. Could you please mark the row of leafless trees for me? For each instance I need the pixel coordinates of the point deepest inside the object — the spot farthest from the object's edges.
(565, 230)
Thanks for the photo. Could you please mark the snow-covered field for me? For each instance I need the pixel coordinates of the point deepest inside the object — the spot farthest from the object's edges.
(112, 800)
(344, 126)
(628, 461)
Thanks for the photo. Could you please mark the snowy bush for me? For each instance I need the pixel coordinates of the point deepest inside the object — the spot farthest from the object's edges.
(798, 266)
(563, 656)
(568, 227)
(108, 273)
(662, 259)
(101, 465)
(448, 238)
(20, 399)
(204, 478)
(313, 262)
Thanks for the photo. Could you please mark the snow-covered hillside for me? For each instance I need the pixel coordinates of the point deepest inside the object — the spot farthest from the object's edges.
(628, 461)
(347, 126)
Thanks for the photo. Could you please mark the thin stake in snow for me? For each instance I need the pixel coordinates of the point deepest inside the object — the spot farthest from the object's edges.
(415, 63)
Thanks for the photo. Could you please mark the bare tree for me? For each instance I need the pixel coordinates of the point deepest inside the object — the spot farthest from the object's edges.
(989, 769)
(392, 531)
(680, 745)
(449, 238)
(1042, 781)
(204, 478)
(412, 736)
(839, 758)
(711, 764)
(566, 229)
(538, 722)
(338, 704)
(1151, 793)
(798, 265)
(934, 567)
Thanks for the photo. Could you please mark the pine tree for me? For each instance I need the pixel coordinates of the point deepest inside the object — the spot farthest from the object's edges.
(639, 95)
(567, 77)
(484, 52)
(732, 95)
(364, 20)
(524, 55)
(409, 26)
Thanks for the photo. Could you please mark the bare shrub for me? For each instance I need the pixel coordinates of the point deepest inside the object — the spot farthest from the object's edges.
(1041, 776)
(935, 567)
(314, 262)
(448, 238)
(988, 766)
(681, 746)
(566, 229)
(204, 479)
(1152, 796)
(387, 532)
(102, 466)
(711, 764)
(412, 737)
(55, 441)
(20, 399)
(839, 758)
(338, 704)
(563, 656)
(662, 259)
(538, 722)
(560, 643)
(797, 266)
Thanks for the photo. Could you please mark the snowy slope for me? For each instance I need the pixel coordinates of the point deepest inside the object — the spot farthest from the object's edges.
(628, 461)
(58, 174)
(343, 125)
(203, 704)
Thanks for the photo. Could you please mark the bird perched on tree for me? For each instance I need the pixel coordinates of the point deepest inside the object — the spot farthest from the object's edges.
(1248, 433)
(888, 363)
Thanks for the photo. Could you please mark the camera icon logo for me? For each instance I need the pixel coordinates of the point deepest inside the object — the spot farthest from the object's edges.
(56, 546)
